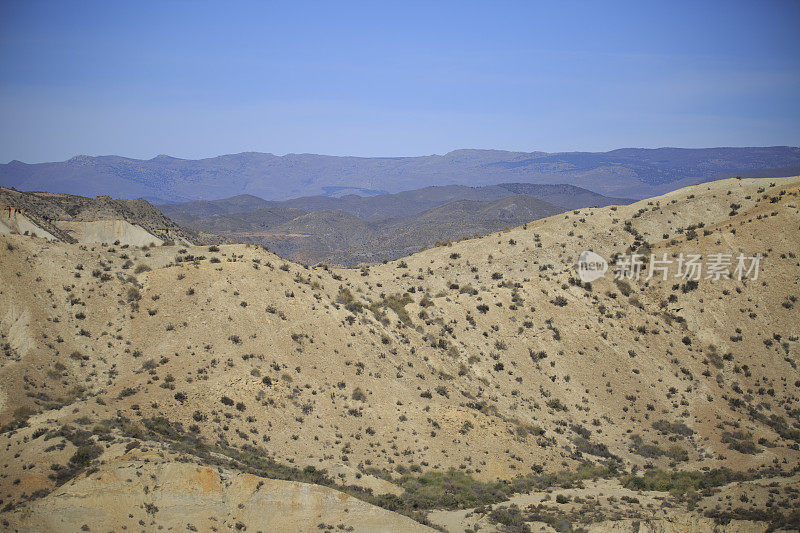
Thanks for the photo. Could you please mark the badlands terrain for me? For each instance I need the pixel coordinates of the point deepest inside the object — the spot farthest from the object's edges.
(477, 385)
(74, 219)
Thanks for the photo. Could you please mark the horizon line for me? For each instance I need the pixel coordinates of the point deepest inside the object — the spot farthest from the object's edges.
(287, 154)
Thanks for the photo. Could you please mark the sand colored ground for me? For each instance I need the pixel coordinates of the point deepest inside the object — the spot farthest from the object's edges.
(485, 356)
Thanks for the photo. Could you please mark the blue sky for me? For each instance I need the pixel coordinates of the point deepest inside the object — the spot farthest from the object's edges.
(198, 79)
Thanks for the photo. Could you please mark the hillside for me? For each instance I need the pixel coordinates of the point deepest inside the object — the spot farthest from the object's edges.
(390, 206)
(476, 384)
(78, 219)
(566, 196)
(249, 221)
(197, 209)
(341, 238)
(352, 229)
(628, 173)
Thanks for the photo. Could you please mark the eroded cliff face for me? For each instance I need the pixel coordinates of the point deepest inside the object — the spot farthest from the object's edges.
(109, 231)
(14, 221)
(144, 490)
(76, 219)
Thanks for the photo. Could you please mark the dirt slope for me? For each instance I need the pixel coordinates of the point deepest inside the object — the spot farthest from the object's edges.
(76, 219)
(485, 356)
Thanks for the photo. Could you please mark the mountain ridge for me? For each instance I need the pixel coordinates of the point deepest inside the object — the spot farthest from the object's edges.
(626, 172)
(382, 227)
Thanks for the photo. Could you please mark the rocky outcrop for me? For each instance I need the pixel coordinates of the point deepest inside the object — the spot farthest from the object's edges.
(134, 494)
(15, 220)
(75, 219)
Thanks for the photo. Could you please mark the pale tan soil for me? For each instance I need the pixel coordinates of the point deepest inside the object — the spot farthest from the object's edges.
(88, 342)
(158, 493)
(77, 219)
(108, 231)
(12, 221)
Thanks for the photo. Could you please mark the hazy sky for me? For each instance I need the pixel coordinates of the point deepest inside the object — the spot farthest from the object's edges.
(197, 79)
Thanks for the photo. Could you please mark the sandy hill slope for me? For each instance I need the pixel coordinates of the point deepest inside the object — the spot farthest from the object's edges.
(468, 379)
(76, 219)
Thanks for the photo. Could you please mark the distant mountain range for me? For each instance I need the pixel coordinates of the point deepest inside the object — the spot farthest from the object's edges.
(629, 172)
(352, 229)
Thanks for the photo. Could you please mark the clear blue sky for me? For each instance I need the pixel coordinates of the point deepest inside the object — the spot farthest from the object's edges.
(197, 79)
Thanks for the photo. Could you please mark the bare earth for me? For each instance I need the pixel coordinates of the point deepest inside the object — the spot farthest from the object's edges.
(226, 388)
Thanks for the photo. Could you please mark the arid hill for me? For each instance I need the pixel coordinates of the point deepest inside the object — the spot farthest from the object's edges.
(75, 219)
(478, 384)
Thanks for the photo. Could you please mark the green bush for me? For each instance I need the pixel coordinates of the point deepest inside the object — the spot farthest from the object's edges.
(85, 454)
(680, 482)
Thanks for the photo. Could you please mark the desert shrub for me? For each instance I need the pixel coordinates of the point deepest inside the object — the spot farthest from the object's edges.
(127, 391)
(23, 413)
(740, 441)
(524, 429)
(85, 454)
(450, 490)
(556, 404)
(676, 428)
(537, 356)
(133, 295)
(396, 303)
(689, 286)
(346, 298)
(594, 448)
(680, 482)
(511, 518)
(359, 395)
